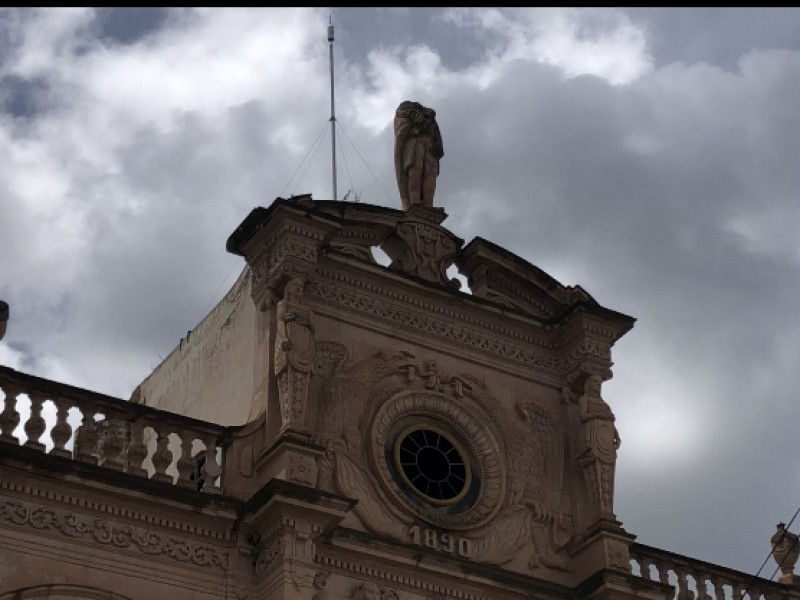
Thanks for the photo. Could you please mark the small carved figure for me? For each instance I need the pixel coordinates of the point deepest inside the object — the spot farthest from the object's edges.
(597, 423)
(417, 152)
(294, 340)
(295, 352)
(601, 441)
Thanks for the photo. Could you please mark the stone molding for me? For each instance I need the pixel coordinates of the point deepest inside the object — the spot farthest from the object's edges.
(472, 426)
(78, 526)
(416, 584)
(112, 510)
(414, 314)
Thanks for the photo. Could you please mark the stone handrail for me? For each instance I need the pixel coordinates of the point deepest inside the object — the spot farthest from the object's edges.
(695, 579)
(113, 433)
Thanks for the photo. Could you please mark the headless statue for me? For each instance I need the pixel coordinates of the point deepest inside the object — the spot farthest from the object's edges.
(417, 151)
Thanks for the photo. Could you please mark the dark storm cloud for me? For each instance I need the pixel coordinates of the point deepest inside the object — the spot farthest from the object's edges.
(716, 35)
(128, 25)
(23, 98)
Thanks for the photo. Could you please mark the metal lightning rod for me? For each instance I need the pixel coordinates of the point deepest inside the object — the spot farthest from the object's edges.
(333, 110)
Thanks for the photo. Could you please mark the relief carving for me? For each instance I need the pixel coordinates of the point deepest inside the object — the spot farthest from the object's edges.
(367, 590)
(521, 505)
(424, 250)
(268, 554)
(618, 556)
(536, 510)
(598, 444)
(291, 252)
(295, 354)
(302, 469)
(523, 350)
(120, 536)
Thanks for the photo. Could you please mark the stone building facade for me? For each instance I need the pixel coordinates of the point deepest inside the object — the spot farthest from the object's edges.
(340, 429)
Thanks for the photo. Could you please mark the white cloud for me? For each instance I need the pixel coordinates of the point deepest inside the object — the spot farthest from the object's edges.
(585, 41)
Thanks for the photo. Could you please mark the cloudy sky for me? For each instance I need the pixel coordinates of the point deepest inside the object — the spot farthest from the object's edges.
(649, 155)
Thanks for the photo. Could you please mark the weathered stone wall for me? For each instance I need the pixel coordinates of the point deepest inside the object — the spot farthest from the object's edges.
(209, 375)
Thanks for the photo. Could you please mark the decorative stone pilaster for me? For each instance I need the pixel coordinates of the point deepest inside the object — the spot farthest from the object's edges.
(292, 458)
(295, 354)
(421, 247)
(584, 357)
(280, 244)
(595, 440)
(288, 525)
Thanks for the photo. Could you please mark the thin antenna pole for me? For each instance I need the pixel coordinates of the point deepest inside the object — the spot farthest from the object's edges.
(333, 110)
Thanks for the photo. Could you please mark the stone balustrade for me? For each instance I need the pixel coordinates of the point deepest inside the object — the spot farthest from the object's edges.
(695, 579)
(111, 433)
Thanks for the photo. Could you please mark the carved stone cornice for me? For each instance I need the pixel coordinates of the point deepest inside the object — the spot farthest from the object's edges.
(78, 526)
(431, 319)
(111, 510)
(431, 578)
(584, 343)
(285, 245)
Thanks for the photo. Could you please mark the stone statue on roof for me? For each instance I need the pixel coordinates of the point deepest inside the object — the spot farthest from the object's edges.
(417, 151)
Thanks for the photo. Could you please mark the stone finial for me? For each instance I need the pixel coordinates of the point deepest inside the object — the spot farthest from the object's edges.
(4, 313)
(785, 551)
(417, 151)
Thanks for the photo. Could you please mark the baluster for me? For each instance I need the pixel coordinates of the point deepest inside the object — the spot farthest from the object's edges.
(138, 449)
(730, 583)
(162, 457)
(113, 443)
(683, 591)
(737, 590)
(644, 566)
(185, 464)
(9, 418)
(702, 587)
(663, 568)
(211, 470)
(62, 430)
(86, 436)
(718, 593)
(35, 425)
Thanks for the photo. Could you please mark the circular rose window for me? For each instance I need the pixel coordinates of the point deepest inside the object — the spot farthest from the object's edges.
(432, 465)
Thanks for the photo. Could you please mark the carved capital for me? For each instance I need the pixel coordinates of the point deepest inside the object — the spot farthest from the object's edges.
(285, 245)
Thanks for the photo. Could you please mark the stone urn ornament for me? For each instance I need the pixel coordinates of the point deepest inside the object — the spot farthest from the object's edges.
(785, 551)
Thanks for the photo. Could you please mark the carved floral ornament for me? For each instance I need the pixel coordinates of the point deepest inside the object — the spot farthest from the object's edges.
(118, 535)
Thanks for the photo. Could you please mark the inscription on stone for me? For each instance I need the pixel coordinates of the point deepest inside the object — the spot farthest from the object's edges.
(437, 540)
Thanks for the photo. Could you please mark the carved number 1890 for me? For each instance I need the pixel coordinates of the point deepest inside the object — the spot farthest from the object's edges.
(430, 538)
